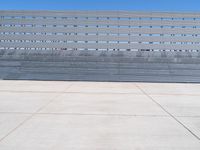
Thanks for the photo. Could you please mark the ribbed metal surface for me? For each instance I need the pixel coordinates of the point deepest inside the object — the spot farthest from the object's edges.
(100, 65)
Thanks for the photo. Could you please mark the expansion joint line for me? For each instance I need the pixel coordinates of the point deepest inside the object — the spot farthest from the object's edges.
(33, 114)
(171, 115)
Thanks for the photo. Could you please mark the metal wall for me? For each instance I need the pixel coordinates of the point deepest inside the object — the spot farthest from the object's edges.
(100, 30)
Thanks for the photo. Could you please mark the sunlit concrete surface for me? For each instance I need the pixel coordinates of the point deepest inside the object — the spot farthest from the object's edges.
(61, 115)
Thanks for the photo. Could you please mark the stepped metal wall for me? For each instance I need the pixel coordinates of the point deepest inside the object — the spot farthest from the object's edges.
(100, 46)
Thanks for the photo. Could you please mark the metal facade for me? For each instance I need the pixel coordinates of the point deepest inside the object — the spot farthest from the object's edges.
(100, 30)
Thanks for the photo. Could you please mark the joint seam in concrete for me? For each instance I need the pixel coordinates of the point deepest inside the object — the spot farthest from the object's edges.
(32, 115)
(178, 121)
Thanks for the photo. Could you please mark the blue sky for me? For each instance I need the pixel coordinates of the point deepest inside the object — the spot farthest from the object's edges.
(148, 5)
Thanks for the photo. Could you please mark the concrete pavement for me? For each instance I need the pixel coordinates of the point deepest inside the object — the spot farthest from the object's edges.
(60, 115)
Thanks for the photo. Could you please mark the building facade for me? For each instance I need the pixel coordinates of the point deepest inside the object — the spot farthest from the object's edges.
(100, 30)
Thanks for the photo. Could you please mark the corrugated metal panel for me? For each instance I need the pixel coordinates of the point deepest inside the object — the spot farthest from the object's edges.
(103, 25)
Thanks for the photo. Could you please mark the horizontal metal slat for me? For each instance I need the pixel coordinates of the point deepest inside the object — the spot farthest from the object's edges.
(101, 38)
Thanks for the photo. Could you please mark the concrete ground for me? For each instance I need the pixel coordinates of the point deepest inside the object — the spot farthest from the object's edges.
(61, 115)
